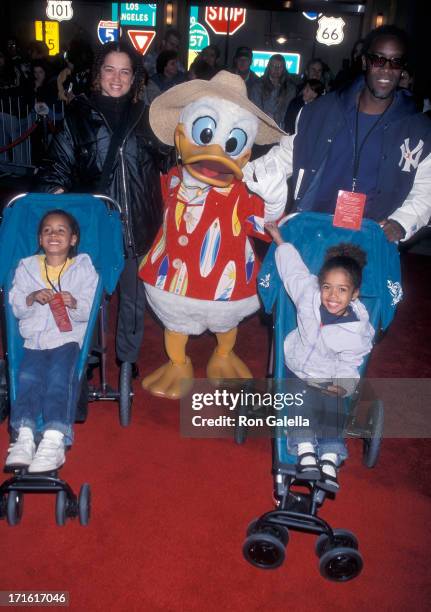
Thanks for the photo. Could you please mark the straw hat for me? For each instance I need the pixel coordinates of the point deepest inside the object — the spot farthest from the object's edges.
(166, 109)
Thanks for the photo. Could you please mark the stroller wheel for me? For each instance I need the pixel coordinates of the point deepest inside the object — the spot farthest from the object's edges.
(340, 564)
(14, 508)
(84, 504)
(61, 503)
(278, 531)
(125, 393)
(342, 537)
(375, 422)
(264, 550)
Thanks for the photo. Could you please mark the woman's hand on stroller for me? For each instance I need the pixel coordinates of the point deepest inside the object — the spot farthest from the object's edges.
(68, 299)
(272, 229)
(43, 296)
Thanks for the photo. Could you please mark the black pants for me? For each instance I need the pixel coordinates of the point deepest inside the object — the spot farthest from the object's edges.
(130, 322)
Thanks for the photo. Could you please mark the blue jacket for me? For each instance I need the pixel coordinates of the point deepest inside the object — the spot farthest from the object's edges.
(404, 129)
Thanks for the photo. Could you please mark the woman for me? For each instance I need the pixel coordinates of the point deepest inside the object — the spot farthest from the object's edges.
(106, 147)
(167, 75)
(275, 90)
(41, 87)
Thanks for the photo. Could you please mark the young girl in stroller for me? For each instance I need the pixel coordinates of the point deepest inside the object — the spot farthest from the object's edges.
(51, 296)
(325, 351)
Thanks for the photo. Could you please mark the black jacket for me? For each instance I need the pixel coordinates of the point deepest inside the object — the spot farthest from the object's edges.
(75, 161)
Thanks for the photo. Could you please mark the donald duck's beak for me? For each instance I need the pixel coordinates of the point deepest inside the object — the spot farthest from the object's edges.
(210, 163)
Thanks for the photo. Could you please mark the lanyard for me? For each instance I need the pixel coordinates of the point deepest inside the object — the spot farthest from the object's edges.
(357, 152)
(59, 274)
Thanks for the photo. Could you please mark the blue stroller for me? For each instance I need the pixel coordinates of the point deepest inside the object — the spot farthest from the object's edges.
(267, 536)
(101, 238)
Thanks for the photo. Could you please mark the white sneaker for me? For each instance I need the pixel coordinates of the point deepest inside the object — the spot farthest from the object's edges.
(22, 451)
(50, 454)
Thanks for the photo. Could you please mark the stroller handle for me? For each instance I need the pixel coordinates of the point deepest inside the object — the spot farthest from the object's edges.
(109, 202)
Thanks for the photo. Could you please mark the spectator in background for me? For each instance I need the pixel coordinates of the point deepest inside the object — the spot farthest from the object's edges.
(200, 69)
(406, 80)
(43, 87)
(211, 56)
(353, 68)
(170, 42)
(36, 50)
(13, 52)
(242, 61)
(275, 90)
(75, 79)
(312, 89)
(167, 75)
(317, 69)
(12, 122)
(9, 76)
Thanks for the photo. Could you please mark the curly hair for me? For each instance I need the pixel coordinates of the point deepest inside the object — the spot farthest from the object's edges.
(139, 72)
(347, 256)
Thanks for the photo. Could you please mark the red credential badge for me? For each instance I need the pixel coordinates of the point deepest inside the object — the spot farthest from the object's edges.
(59, 313)
(349, 210)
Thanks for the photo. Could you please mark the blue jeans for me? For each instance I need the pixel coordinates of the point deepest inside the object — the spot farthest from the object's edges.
(326, 414)
(48, 386)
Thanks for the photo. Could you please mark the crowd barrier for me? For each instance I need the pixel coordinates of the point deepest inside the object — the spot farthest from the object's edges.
(24, 130)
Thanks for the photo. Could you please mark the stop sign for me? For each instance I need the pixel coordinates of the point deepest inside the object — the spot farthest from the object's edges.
(219, 18)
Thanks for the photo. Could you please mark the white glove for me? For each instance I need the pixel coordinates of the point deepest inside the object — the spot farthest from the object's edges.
(268, 180)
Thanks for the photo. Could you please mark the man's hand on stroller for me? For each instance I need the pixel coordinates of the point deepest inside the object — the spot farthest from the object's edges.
(392, 229)
(68, 299)
(43, 296)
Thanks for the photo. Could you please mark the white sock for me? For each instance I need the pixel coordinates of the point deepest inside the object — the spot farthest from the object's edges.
(328, 469)
(306, 447)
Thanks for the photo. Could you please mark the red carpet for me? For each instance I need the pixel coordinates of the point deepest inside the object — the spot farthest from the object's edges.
(169, 513)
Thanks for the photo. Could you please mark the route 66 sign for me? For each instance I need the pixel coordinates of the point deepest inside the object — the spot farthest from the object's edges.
(59, 10)
(330, 31)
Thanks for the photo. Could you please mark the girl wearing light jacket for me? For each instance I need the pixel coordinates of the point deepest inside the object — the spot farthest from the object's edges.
(51, 296)
(325, 351)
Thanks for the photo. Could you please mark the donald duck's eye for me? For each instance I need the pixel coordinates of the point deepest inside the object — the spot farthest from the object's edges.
(203, 130)
(236, 141)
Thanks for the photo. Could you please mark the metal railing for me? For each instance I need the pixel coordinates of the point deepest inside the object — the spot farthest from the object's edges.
(23, 125)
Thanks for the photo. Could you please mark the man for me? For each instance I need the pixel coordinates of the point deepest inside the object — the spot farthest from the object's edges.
(365, 139)
(170, 42)
(241, 65)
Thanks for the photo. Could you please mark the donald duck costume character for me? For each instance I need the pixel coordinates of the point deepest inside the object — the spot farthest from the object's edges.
(201, 271)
